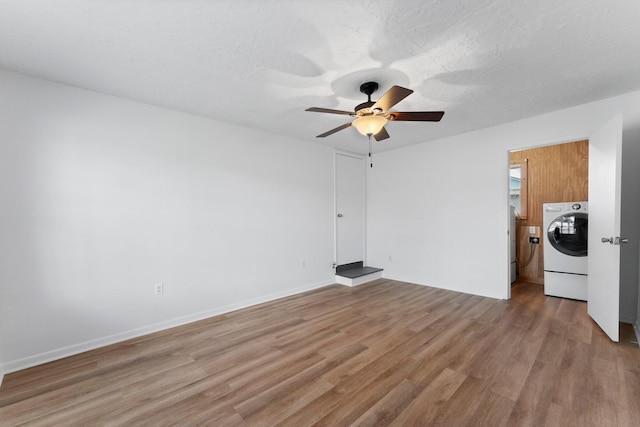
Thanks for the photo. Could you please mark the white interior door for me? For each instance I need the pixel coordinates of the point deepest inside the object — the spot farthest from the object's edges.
(350, 208)
(603, 296)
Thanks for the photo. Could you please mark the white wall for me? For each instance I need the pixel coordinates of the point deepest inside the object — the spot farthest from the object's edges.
(103, 197)
(440, 209)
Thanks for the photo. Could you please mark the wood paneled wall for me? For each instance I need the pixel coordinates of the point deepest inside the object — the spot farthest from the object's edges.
(556, 173)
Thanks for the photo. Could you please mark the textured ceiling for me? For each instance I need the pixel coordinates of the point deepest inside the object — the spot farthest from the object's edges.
(260, 63)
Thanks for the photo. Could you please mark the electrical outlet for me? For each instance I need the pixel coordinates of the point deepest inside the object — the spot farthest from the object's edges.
(303, 263)
(534, 240)
(158, 289)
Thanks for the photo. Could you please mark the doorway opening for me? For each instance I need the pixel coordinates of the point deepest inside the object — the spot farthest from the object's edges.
(547, 174)
(602, 191)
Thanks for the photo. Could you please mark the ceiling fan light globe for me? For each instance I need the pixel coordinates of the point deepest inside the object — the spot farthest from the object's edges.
(369, 125)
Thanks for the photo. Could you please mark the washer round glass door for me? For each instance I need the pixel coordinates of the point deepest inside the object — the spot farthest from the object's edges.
(568, 233)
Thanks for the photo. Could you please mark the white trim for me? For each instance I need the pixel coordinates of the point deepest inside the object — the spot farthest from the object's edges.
(546, 142)
(2, 372)
(636, 329)
(508, 296)
(335, 208)
(364, 210)
(446, 286)
(335, 202)
(625, 319)
(49, 356)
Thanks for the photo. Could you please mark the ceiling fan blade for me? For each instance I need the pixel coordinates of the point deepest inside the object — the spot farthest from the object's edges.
(328, 110)
(383, 134)
(416, 116)
(332, 131)
(392, 97)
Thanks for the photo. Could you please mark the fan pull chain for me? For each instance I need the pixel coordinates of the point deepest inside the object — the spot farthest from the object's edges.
(370, 150)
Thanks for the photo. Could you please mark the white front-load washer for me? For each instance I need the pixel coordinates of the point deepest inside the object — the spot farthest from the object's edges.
(565, 228)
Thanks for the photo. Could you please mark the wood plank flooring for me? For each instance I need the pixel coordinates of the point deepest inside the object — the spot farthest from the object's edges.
(383, 353)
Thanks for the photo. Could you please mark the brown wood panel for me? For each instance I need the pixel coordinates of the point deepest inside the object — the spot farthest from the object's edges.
(556, 173)
(384, 353)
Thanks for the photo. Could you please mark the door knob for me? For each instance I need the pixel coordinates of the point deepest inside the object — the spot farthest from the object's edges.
(605, 240)
(340, 215)
(620, 240)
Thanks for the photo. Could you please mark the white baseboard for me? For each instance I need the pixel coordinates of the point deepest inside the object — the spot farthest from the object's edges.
(49, 356)
(448, 287)
(627, 319)
(636, 329)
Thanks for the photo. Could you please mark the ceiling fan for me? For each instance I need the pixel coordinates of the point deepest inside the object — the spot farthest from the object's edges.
(371, 117)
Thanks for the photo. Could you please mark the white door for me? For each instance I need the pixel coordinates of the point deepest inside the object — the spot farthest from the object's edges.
(350, 191)
(603, 296)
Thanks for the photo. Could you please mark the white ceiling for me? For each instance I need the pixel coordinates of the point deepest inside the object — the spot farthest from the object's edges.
(260, 63)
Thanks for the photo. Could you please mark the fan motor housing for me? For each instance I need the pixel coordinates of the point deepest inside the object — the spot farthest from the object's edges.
(364, 106)
(365, 109)
(368, 88)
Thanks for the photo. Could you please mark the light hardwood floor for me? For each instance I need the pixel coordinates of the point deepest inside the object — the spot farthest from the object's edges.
(384, 353)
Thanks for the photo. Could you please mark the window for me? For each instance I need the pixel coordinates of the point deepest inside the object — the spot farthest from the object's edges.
(518, 187)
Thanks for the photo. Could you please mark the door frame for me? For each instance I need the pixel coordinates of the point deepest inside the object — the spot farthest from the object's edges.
(361, 157)
(542, 143)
